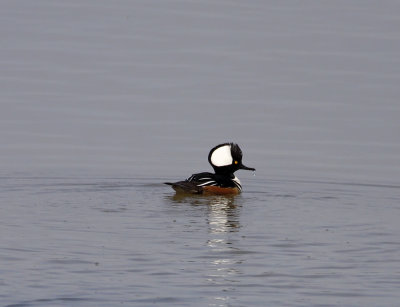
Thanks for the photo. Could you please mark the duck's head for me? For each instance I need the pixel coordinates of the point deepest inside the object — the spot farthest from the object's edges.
(227, 158)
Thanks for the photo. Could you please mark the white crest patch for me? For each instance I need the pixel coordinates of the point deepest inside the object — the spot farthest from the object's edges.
(222, 156)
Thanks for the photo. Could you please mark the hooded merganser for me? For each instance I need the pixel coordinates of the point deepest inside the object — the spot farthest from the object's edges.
(225, 159)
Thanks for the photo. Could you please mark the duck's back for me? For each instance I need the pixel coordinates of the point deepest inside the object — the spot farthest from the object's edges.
(206, 183)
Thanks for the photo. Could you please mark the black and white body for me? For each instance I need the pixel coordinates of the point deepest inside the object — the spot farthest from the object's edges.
(226, 159)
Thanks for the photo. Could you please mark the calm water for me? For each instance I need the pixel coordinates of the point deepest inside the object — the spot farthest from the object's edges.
(101, 102)
(131, 241)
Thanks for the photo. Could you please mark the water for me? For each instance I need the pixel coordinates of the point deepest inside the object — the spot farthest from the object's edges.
(112, 241)
(102, 102)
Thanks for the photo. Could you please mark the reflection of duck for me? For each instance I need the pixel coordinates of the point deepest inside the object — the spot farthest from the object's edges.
(223, 258)
(225, 159)
(223, 211)
(223, 269)
(223, 214)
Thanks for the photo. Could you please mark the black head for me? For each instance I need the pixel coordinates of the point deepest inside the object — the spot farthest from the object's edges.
(227, 158)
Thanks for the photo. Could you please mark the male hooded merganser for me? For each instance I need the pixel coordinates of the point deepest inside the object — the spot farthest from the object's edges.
(225, 159)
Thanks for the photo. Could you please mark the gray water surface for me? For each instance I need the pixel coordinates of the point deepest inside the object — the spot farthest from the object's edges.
(112, 241)
(103, 101)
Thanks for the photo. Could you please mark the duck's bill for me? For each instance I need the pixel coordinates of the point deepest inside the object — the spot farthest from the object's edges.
(247, 168)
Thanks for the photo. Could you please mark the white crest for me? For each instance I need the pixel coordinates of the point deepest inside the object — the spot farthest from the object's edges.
(222, 156)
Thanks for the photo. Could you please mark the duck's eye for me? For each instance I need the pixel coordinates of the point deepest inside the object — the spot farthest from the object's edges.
(236, 162)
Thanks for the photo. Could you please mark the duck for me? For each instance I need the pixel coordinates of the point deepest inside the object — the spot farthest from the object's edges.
(225, 159)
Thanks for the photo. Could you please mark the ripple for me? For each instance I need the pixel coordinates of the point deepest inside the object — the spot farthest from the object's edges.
(39, 302)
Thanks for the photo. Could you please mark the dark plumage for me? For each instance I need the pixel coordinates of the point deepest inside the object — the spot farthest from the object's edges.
(226, 159)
